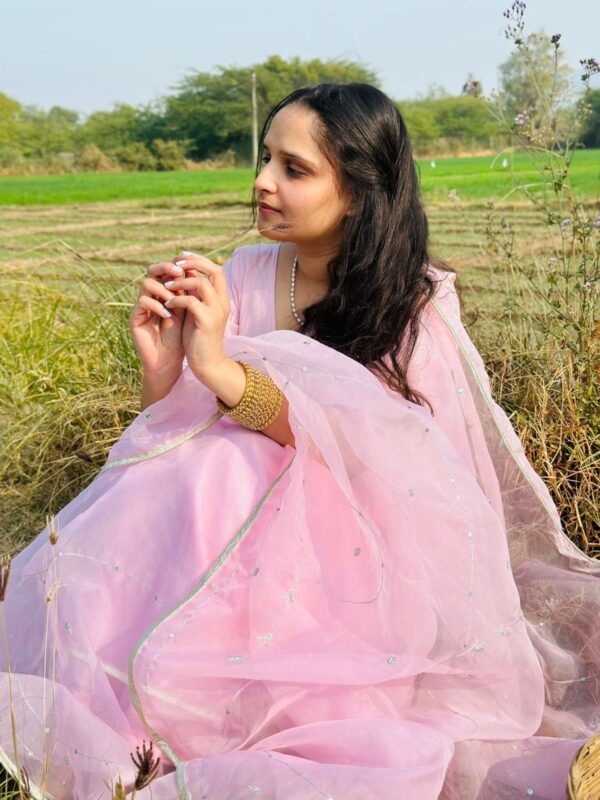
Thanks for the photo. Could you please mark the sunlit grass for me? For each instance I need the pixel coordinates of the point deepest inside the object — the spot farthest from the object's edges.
(469, 177)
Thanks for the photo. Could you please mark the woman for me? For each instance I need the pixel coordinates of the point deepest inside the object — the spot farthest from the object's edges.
(318, 564)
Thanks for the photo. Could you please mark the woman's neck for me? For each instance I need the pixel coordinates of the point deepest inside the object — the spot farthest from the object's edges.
(312, 264)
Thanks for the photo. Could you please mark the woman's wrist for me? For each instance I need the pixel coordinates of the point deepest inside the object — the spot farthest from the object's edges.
(226, 380)
(157, 384)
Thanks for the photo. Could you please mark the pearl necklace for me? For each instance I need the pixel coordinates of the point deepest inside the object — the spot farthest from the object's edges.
(292, 289)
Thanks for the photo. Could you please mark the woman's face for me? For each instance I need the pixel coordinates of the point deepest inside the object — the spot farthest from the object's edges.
(298, 192)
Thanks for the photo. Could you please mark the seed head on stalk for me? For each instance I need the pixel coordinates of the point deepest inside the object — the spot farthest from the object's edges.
(4, 575)
(147, 765)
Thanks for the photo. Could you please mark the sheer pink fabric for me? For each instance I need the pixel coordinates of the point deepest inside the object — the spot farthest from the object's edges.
(389, 610)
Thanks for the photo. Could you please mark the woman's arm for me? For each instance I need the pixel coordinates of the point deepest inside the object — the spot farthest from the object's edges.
(155, 387)
(228, 381)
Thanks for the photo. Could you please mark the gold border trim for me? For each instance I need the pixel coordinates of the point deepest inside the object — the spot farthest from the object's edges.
(164, 448)
(232, 545)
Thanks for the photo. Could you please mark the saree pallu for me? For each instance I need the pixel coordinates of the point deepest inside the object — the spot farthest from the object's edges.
(390, 609)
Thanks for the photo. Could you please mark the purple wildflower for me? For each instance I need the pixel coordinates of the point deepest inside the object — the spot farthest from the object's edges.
(590, 67)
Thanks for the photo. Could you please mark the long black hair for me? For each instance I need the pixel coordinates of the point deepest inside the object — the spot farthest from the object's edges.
(379, 281)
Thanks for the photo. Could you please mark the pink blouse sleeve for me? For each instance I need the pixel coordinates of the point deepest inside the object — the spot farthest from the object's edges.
(234, 284)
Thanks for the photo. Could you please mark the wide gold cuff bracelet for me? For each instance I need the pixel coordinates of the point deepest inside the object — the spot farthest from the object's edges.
(259, 405)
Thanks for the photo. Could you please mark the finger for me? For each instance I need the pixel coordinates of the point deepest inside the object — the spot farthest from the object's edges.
(164, 268)
(153, 288)
(193, 261)
(201, 286)
(191, 305)
(146, 304)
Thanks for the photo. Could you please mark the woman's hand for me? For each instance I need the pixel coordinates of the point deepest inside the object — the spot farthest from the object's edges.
(206, 306)
(156, 331)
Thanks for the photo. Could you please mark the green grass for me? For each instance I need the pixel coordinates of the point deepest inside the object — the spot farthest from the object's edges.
(91, 187)
(472, 178)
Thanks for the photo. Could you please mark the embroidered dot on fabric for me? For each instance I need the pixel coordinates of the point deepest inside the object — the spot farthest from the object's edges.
(290, 595)
(357, 551)
(148, 416)
(460, 390)
(255, 571)
(391, 660)
(68, 626)
(530, 792)
(411, 492)
(305, 369)
(235, 659)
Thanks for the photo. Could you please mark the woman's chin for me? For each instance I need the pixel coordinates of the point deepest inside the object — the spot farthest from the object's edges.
(278, 232)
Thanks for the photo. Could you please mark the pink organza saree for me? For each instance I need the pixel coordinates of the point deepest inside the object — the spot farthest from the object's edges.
(390, 610)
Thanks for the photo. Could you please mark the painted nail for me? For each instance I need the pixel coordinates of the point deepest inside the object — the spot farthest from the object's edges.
(167, 313)
(178, 270)
(179, 263)
(168, 284)
(186, 253)
(168, 301)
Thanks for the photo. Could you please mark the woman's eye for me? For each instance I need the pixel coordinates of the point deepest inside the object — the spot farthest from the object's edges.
(295, 172)
(264, 159)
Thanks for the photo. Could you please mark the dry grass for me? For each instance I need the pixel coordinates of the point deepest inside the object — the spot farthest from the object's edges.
(70, 379)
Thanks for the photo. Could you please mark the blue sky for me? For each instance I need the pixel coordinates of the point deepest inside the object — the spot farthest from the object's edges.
(88, 54)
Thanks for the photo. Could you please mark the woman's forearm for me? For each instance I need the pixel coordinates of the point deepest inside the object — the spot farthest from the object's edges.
(228, 382)
(155, 387)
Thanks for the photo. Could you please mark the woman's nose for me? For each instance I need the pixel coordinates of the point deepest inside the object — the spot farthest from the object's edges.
(264, 181)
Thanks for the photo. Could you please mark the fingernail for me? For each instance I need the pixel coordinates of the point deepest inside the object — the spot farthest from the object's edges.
(167, 313)
(177, 269)
(168, 284)
(186, 253)
(168, 301)
(179, 263)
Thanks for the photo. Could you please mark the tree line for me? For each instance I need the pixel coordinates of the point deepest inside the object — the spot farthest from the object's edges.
(206, 121)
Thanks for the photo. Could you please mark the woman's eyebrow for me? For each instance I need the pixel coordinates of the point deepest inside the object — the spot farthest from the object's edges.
(294, 156)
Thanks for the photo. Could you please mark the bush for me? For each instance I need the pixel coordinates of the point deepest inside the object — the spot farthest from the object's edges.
(92, 159)
(135, 157)
(169, 155)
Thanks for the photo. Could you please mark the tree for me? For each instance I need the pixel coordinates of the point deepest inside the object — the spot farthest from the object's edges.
(11, 125)
(536, 82)
(213, 110)
(591, 133)
(111, 130)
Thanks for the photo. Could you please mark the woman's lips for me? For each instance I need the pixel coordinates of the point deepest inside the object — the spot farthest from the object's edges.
(267, 209)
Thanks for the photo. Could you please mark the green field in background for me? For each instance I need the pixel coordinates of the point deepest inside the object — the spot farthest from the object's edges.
(470, 178)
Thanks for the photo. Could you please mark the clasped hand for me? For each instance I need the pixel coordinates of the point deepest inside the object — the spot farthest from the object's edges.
(182, 309)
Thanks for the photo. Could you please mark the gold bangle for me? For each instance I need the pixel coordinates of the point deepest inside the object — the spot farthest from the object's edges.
(260, 404)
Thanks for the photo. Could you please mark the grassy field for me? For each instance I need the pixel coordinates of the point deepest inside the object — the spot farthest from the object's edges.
(68, 276)
(477, 178)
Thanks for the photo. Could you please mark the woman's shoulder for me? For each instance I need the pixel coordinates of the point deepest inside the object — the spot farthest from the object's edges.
(242, 262)
(251, 253)
(446, 291)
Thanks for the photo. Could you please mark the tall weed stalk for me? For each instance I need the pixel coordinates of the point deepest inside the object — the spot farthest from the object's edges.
(546, 369)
